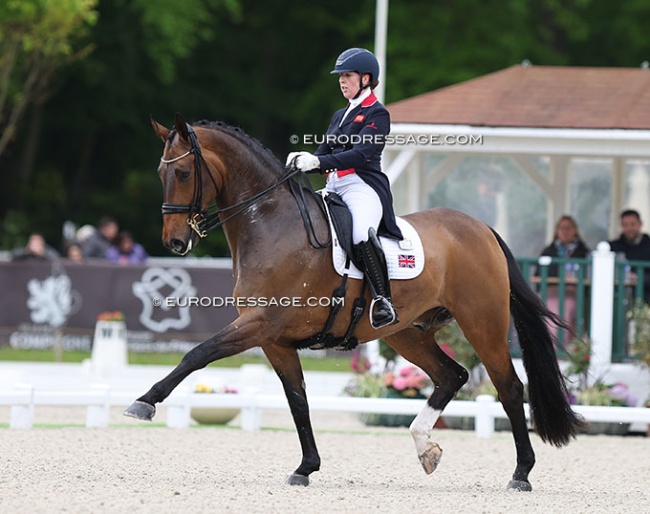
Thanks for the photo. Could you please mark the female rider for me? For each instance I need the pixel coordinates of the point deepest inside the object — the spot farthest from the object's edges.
(351, 158)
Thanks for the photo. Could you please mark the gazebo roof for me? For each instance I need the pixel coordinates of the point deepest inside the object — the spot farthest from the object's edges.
(537, 97)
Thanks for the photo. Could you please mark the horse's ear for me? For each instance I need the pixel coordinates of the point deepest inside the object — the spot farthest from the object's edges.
(159, 129)
(181, 127)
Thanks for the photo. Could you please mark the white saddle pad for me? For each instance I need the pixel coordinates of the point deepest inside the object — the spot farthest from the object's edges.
(405, 258)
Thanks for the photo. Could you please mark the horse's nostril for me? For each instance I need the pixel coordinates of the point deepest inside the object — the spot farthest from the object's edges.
(177, 245)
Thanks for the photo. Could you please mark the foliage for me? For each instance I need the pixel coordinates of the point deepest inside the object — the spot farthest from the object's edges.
(453, 342)
(640, 320)
(598, 393)
(579, 356)
(264, 69)
(36, 38)
(470, 391)
(204, 388)
(607, 395)
(408, 382)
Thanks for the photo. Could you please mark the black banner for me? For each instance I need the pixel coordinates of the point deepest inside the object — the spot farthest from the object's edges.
(166, 307)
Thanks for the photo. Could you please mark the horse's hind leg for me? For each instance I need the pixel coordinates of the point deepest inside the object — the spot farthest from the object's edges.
(286, 363)
(489, 339)
(448, 376)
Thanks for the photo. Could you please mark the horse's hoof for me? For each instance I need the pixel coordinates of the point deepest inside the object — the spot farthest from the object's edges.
(431, 457)
(140, 410)
(295, 479)
(519, 485)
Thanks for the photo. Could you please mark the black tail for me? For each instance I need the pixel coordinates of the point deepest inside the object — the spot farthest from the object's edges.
(550, 411)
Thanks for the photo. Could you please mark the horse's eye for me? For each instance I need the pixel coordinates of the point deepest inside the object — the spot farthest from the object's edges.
(184, 175)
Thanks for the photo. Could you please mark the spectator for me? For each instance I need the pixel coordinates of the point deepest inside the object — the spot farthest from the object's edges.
(634, 244)
(84, 233)
(97, 244)
(74, 253)
(36, 248)
(126, 250)
(567, 243)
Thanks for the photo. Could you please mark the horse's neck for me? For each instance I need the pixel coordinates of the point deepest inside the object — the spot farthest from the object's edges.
(257, 225)
(272, 232)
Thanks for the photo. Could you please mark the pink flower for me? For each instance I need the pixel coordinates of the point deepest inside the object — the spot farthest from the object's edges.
(408, 370)
(447, 349)
(358, 365)
(400, 383)
(415, 381)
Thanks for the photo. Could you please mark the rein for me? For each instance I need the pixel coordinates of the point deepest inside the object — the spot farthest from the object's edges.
(203, 221)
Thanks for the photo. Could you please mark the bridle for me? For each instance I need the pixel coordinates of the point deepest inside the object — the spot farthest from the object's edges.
(201, 220)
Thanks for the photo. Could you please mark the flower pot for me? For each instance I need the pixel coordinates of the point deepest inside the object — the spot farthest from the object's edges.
(606, 428)
(213, 415)
(386, 420)
(467, 423)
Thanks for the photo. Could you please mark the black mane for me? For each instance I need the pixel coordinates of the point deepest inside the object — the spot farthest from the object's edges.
(255, 145)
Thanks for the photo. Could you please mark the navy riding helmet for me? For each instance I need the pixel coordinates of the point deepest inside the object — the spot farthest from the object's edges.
(359, 60)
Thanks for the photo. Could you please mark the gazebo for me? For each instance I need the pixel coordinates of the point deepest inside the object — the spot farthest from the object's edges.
(522, 146)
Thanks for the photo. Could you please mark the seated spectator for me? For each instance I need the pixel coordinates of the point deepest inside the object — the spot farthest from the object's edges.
(74, 253)
(36, 248)
(567, 243)
(84, 233)
(126, 250)
(97, 244)
(634, 244)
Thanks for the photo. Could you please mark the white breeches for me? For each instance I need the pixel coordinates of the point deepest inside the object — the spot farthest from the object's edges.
(361, 199)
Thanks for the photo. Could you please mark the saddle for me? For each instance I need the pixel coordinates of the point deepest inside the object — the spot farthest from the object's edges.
(405, 258)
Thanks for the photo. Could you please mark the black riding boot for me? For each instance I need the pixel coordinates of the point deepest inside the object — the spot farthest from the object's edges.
(371, 255)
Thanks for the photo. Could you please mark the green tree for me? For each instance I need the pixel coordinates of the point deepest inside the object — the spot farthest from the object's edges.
(37, 37)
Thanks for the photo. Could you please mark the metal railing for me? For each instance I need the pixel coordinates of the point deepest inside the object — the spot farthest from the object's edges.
(574, 279)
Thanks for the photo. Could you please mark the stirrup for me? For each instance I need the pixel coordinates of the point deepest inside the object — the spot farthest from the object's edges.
(384, 318)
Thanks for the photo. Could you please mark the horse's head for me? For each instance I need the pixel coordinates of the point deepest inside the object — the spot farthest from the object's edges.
(188, 186)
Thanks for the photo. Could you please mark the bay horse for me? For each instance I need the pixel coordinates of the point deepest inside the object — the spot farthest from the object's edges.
(470, 275)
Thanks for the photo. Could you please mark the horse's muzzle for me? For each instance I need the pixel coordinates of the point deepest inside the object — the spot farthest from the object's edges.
(179, 247)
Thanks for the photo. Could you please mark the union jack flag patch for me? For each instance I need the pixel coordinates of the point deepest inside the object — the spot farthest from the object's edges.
(406, 261)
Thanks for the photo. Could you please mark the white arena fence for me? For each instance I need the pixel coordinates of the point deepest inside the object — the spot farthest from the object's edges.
(23, 399)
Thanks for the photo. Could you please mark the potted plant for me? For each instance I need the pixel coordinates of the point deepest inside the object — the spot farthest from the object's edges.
(213, 415)
(409, 382)
(639, 335)
(453, 342)
(597, 393)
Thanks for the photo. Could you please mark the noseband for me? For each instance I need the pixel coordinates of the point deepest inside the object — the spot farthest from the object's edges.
(203, 221)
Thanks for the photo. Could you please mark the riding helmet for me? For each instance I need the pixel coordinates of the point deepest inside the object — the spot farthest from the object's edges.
(359, 60)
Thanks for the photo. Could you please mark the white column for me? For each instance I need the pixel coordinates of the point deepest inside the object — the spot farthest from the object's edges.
(602, 304)
(381, 29)
(98, 412)
(484, 421)
(22, 411)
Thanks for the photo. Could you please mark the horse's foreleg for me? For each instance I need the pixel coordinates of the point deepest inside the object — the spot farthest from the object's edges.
(448, 376)
(242, 334)
(286, 363)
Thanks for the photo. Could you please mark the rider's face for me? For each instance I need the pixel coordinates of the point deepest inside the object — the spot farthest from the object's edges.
(349, 83)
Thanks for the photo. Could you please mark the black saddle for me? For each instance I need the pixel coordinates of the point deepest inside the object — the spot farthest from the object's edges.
(342, 222)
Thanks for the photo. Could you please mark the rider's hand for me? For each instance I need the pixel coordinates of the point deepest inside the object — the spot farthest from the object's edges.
(291, 157)
(307, 162)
